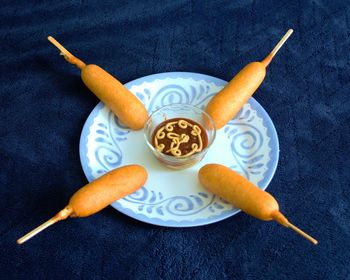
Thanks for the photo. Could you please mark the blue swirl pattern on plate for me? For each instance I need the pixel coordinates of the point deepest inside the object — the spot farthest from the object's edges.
(108, 153)
(176, 205)
(153, 206)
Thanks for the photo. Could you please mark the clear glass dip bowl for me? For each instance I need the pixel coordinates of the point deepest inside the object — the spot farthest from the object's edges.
(179, 111)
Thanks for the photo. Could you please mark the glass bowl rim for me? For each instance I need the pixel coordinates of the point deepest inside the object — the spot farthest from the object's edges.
(172, 158)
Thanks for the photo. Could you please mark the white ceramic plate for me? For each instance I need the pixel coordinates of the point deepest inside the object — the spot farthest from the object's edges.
(247, 144)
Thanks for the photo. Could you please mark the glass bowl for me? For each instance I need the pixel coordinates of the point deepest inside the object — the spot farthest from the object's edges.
(179, 111)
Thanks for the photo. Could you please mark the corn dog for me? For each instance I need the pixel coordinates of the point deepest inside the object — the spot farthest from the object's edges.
(227, 102)
(98, 194)
(123, 103)
(237, 190)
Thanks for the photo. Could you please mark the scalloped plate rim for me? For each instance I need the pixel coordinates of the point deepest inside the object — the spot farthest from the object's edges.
(269, 173)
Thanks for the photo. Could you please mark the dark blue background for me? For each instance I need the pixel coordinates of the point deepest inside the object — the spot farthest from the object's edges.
(44, 105)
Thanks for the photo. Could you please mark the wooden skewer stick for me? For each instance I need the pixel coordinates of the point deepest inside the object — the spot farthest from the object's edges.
(281, 219)
(302, 233)
(63, 214)
(282, 41)
(66, 54)
(269, 58)
(63, 50)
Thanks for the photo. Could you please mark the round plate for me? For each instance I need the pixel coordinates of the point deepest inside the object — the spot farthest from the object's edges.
(247, 144)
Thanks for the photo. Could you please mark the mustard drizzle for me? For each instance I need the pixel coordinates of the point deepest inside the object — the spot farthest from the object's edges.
(178, 139)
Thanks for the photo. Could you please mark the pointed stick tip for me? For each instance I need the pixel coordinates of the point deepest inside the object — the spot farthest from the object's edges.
(302, 233)
(281, 42)
(51, 39)
(62, 215)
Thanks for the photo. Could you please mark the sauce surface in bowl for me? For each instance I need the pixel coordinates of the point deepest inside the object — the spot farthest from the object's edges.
(179, 137)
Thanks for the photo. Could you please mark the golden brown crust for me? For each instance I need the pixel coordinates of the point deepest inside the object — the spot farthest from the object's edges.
(227, 103)
(237, 190)
(124, 104)
(110, 187)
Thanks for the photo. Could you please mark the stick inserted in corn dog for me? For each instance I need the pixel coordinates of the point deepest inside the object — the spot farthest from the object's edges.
(97, 195)
(227, 102)
(123, 103)
(243, 194)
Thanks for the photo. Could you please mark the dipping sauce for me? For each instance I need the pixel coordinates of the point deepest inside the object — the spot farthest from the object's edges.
(179, 137)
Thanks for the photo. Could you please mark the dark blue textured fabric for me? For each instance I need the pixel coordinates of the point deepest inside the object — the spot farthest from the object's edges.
(44, 105)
